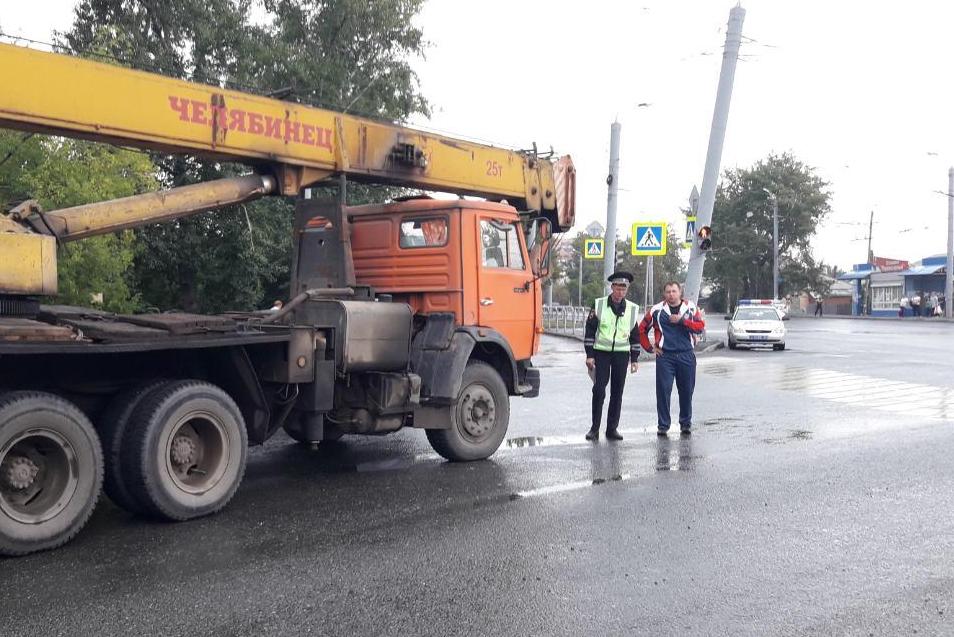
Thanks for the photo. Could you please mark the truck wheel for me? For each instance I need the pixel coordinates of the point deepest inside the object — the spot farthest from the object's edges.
(112, 429)
(779, 347)
(732, 344)
(51, 471)
(184, 454)
(479, 418)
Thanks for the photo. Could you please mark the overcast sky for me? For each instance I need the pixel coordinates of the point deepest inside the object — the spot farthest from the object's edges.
(859, 90)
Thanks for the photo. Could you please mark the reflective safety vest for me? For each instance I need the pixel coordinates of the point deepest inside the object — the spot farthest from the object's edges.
(613, 332)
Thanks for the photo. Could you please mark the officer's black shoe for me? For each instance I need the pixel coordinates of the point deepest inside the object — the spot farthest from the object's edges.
(592, 434)
(685, 432)
(662, 432)
(613, 435)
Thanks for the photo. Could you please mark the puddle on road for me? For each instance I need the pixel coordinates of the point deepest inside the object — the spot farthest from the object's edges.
(794, 435)
(541, 441)
(718, 421)
(567, 486)
(393, 464)
(672, 456)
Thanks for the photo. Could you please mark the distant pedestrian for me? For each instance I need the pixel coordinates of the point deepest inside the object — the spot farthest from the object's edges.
(675, 323)
(916, 304)
(935, 305)
(904, 307)
(611, 342)
(819, 309)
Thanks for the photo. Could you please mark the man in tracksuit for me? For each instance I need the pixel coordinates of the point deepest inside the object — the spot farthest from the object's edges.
(611, 342)
(675, 324)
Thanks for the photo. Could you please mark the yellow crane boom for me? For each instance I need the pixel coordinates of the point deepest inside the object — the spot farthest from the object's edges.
(291, 146)
(301, 145)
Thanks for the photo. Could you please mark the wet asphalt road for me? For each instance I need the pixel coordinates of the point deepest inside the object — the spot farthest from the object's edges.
(815, 497)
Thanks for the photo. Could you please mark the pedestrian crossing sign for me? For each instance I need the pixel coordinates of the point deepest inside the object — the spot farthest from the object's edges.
(649, 238)
(690, 229)
(593, 248)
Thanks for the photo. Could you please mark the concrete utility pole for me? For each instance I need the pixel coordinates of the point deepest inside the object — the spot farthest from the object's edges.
(774, 246)
(612, 181)
(870, 228)
(949, 270)
(720, 117)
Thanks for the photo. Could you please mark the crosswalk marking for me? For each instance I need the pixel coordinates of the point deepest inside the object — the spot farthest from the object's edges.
(857, 390)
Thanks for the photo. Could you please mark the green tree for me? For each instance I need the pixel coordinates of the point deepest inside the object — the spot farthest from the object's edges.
(62, 173)
(740, 263)
(342, 54)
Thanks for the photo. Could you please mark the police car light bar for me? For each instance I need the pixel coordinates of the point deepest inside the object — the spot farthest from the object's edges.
(755, 302)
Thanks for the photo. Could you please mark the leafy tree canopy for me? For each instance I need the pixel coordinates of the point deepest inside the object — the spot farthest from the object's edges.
(343, 54)
(60, 173)
(740, 263)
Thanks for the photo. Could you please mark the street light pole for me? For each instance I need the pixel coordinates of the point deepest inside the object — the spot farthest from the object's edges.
(774, 241)
(774, 247)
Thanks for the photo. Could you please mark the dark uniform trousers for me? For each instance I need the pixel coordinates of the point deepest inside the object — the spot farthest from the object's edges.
(610, 367)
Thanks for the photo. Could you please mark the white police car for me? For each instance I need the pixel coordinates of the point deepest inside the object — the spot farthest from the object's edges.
(756, 322)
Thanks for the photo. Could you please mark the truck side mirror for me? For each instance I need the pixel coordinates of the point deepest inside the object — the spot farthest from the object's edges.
(539, 247)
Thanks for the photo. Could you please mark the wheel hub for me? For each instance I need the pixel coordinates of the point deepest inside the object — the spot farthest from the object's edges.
(183, 451)
(18, 472)
(478, 412)
(38, 476)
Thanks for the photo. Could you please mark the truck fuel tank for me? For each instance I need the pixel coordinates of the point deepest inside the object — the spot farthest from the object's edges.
(367, 335)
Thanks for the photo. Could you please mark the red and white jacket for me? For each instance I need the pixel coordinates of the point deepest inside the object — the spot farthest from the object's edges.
(669, 336)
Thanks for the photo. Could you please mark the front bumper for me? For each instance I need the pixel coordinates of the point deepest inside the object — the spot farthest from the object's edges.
(757, 339)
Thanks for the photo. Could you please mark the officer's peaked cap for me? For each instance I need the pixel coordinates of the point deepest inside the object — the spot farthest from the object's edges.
(620, 277)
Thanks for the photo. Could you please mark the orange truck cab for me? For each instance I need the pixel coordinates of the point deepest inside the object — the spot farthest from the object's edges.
(469, 258)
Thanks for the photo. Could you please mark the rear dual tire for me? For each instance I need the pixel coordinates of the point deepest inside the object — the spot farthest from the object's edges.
(113, 426)
(51, 471)
(185, 452)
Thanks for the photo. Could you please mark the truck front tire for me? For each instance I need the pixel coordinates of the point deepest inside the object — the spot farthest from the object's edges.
(185, 452)
(479, 418)
(51, 471)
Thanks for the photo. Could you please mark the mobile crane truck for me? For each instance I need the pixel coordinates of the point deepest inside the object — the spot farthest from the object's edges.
(418, 313)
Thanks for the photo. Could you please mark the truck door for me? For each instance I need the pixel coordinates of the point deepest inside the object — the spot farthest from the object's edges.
(505, 302)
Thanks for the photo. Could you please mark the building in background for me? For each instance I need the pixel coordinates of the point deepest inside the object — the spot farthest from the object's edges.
(926, 276)
(878, 287)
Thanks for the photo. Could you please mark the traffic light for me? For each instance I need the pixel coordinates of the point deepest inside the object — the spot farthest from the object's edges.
(705, 238)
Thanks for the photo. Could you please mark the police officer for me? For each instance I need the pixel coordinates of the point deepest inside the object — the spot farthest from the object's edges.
(611, 343)
(675, 324)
